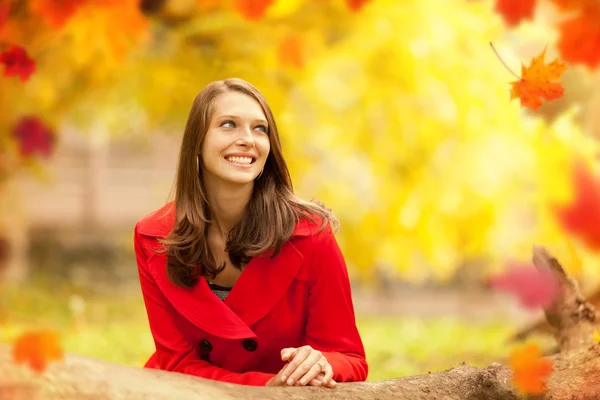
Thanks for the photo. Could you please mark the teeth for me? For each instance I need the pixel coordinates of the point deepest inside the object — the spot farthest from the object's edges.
(240, 160)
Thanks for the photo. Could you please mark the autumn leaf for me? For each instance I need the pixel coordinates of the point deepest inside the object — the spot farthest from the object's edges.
(581, 217)
(579, 40)
(537, 81)
(17, 63)
(253, 9)
(533, 287)
(291, 51)
(33, 137)
(530, 370)
(55, 13)
(515, 11)
(37, 348)
(356, 5)
(596, 336)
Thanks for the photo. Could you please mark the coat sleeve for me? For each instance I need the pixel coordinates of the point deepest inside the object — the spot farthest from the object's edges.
(331, 325)
(173, 351)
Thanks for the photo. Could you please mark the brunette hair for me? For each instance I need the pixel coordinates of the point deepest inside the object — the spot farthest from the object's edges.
(271, 213)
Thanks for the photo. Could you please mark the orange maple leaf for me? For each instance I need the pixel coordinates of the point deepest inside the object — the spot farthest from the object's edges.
(514, 11)
(253, 9)
(536, 81)
(582, 216)
(37, 348)
(579, 40)
(56, 13)
(530, 370)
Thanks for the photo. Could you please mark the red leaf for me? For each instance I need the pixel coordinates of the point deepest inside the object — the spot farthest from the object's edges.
(515, 11)
(33, 137)
(356, 5)
(37, 349)
(253, 9)
(56, 12)
(530, 370)
(17, 63)
(533, 287)
(582, 216)
(579, 40)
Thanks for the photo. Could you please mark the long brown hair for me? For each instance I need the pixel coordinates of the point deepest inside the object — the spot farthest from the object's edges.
(271, 214)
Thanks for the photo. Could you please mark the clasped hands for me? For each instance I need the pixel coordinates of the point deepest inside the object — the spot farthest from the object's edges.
(306, 366)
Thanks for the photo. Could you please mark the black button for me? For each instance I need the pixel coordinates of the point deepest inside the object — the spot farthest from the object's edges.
(250, 344)
(205, 346)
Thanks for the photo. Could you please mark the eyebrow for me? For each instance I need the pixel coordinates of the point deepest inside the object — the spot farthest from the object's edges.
(238, 117)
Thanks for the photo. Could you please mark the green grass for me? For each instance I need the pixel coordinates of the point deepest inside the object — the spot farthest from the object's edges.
(114, 328)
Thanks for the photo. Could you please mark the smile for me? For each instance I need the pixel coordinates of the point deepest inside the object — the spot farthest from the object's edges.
(244, 162)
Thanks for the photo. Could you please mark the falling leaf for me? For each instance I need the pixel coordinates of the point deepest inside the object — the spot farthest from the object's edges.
(533, 287)
(253, 9)
(291, 51)
(515, 11)
(581, 217)
(536, 82)
(33, 137)
(17, 63)
(530, 370)
(37, 348)
(356, 5)
(596, 336)
(55, 13)
(579, 40)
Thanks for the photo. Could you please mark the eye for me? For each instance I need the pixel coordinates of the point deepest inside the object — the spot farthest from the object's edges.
(264, 128)
(228, 122)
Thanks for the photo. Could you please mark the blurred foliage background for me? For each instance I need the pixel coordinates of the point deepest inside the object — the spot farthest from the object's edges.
(396, 114)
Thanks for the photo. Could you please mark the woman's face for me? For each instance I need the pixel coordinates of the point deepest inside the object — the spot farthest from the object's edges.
(236, 145)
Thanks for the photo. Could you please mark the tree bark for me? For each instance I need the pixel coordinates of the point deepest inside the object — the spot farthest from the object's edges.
(576, 374)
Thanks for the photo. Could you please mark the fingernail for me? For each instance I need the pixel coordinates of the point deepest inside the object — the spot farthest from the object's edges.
(290, 382)
(333, 383)
(283, 378)
(303, 381)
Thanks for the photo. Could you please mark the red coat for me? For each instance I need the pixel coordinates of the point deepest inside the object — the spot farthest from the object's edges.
(301, 297)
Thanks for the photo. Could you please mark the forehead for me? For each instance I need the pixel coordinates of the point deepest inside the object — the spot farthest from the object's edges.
(238, 104)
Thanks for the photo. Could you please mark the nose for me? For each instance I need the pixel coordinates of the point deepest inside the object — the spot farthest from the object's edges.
(245, 138)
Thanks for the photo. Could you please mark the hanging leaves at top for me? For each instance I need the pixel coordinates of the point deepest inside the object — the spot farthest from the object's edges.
(253, 9)
(515, 11)
(56, 13)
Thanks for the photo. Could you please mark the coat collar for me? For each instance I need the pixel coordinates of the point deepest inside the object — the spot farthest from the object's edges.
(261, 285)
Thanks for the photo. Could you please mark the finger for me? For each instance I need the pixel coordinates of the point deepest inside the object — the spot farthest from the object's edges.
(328, 374)
(288, 353)
(299, 357)
(311, 374)
(304, 366)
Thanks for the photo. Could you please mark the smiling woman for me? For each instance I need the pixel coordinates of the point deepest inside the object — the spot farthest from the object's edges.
(243, 281)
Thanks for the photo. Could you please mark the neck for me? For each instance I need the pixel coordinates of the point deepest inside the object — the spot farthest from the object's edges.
(227, 204)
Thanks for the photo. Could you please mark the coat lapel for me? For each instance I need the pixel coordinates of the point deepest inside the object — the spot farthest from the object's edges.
(261, 285)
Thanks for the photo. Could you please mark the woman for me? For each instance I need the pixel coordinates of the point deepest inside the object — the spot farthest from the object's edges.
(244, 282)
